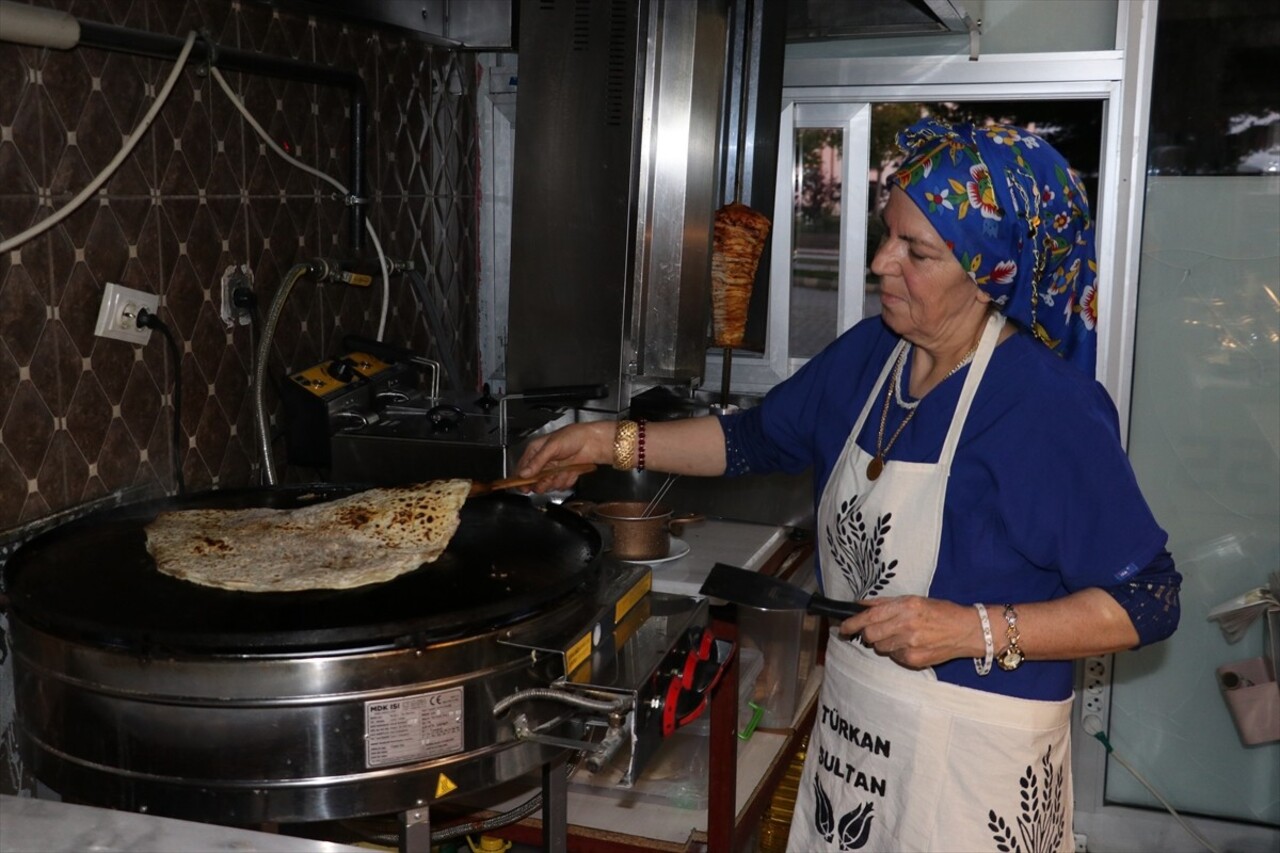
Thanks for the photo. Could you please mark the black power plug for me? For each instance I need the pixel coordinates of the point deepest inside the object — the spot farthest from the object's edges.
(150, 320)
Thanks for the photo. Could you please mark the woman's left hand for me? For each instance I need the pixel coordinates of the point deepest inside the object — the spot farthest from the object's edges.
(915, 631)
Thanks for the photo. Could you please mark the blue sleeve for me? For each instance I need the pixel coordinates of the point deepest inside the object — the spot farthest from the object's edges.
(1072, 501)
(804, 420)
(1151, 599)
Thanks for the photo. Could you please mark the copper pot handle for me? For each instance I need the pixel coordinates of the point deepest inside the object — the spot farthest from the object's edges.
(677, 523)
(581, 507)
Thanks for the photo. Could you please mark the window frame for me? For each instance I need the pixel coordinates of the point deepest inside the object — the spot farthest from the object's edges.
(1091, 75)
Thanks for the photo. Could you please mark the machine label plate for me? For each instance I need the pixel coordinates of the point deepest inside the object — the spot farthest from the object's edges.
(413, 728)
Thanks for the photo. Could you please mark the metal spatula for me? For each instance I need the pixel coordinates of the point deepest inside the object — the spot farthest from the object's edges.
(756, 590)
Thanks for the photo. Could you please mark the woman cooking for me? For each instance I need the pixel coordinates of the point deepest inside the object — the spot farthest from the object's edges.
(972, 492)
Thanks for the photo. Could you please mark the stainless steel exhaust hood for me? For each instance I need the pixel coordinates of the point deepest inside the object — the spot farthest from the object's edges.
(615, 186)
(814, 20)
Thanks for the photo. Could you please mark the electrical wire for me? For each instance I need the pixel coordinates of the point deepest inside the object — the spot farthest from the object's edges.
(1102, 738)
(148, 320)
(289, 158)
(102, 177)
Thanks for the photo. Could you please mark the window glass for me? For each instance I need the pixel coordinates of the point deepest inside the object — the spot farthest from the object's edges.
(815, 253)
(1204, 427)
(1215, 106)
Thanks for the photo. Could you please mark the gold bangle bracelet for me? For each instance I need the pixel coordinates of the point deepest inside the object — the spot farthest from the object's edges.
(625, 440)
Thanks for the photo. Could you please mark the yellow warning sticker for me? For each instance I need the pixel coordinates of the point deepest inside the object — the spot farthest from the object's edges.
(445, 785)
(578, 652)
(633, 595)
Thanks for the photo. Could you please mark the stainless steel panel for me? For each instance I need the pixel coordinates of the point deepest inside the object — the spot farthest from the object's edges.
(208, 739)
(679, 154)
(470, 24)
(613, 192)
(572, 193)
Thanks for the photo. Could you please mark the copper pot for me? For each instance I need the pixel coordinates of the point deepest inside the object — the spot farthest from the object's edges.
(636, 535)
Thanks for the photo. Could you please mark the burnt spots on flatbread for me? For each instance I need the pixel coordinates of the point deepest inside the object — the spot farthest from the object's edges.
(354, 516)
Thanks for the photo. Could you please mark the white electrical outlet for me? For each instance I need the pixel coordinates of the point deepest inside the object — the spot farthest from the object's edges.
(118, 313)
(1095, 695)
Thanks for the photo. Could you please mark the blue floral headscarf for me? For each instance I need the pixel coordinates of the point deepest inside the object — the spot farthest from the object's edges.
(1015, 215)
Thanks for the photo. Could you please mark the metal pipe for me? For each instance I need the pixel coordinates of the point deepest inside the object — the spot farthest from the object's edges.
(159, 46)
(356, 167)
(23, 24)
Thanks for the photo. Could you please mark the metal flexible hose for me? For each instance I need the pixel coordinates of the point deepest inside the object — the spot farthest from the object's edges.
(518, 813)
(458, 830)
(260, 370)
(576, 701)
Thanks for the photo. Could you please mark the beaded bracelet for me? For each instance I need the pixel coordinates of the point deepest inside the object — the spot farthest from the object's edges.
(625, 442)
(639, 444)
(983, 665)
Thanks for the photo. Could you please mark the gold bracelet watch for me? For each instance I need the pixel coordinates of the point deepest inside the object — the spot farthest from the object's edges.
(1011, 657)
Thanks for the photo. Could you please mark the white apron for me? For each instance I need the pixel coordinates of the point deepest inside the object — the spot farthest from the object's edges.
(898, 761)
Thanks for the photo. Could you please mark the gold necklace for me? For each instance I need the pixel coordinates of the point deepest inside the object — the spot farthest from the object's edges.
(876, 466)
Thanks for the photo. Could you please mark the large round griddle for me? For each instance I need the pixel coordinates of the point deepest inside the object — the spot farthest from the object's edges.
(93, 580)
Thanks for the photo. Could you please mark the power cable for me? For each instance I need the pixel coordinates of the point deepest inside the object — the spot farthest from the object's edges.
(129, 144)
(148, 320)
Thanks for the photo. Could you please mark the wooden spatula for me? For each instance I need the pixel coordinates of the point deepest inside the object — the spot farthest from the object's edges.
(513, 482)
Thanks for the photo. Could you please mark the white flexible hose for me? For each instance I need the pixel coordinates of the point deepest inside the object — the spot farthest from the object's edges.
(1190, 830)
(102, 177)
(368, 226)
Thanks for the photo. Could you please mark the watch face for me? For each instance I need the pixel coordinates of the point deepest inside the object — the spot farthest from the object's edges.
(1010, 659)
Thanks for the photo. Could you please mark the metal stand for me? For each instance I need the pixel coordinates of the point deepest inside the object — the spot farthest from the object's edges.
(555, 807)
(415, 824)
(415, 831)
(722, 779)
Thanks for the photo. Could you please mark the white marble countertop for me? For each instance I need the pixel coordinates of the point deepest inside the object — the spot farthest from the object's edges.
(737, 543)
(48, 826)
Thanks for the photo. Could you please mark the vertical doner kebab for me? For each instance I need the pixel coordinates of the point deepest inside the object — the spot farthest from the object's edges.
(738, 242)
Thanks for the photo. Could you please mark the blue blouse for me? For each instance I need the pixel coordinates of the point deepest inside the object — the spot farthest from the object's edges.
(1041, 501)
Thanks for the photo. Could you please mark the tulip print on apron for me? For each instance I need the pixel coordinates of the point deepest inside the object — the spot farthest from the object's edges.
(898, 761)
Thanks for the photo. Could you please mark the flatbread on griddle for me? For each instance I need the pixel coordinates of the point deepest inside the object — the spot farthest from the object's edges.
(370, 537)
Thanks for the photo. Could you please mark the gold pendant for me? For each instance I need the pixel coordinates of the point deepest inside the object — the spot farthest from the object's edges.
(874, 467)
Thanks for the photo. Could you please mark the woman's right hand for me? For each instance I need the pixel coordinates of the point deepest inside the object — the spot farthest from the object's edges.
(582, 442)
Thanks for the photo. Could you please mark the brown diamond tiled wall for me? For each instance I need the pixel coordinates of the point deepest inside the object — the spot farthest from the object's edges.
(82, 417)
